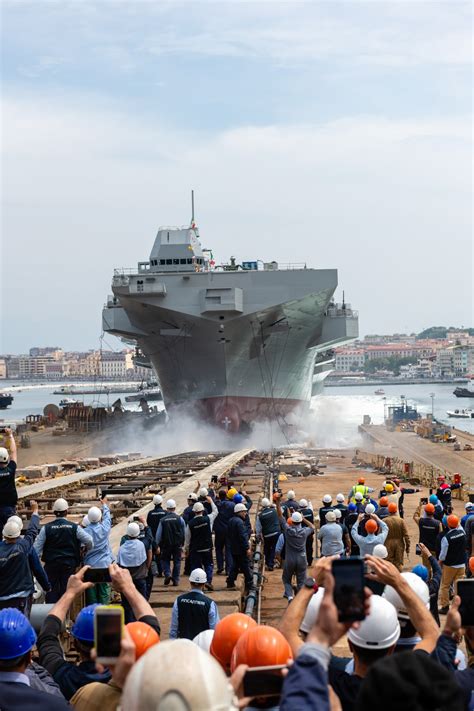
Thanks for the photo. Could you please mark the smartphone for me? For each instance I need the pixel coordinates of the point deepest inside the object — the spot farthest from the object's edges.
(136, 518)
(349, 588)
(424, 500)
(97, 575)
(465, 590)
(214, 479)
(108, 626)
(417, 549)
(263, 681)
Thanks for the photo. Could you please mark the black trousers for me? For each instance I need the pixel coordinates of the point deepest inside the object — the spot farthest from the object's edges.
(58, 576)
(240, 564)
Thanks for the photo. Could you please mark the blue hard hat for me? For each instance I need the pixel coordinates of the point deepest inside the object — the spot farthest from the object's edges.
(17, 636)
(421, 571)
(352, 507)
(444, 521)
(238, 498)
(83, 628)
(433, 499)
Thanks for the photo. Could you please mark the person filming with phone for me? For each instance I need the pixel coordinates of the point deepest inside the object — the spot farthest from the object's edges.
(8, 493)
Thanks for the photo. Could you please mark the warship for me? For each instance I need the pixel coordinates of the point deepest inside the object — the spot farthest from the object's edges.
(234, 343)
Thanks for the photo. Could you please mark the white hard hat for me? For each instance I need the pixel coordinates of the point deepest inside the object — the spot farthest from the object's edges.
(469, 505)
(4, 456)
(331, 516)
(417, 585)
(337, 513)
(370, 509)
(12, 529)
(198, 575)
(94, 514)
(133, 529)
(198, 507)
(303, 503)
(238, 508)
(340, 498)
(157, 499)
(199, 684)
(85, 521)
(60, 505)
(290, 494)
(358, 496)
(192, 496)
(204, 639)
(380, 629)
(380, 551)
(265, 503)
(171, 504)
(203, 491)
(327, 498)
(312, 611)
(17, 520)
(296, 517)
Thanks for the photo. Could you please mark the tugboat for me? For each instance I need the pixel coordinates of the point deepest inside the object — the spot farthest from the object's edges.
(463, 392)
(5, 400)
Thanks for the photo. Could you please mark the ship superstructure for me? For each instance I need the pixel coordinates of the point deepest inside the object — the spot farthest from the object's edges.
(237, 343)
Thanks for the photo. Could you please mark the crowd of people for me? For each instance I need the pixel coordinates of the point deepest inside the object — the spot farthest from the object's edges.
(400, 651)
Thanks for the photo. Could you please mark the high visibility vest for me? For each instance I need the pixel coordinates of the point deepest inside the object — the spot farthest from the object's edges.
(359, 488)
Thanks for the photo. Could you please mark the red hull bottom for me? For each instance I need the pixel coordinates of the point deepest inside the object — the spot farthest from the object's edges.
(236, 413)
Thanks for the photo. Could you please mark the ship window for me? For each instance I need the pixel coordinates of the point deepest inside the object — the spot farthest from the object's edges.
(190, 261)
(175, 261)
(169, 261)
(182, 261)
(162, 261)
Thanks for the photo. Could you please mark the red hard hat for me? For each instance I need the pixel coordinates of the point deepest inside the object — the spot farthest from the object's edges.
(383, 501)
(429, 508)
(371, 526)
(392, 507)
(453, 521)
(143, 637)
(261, 646)
(226, 635)
(361, 480)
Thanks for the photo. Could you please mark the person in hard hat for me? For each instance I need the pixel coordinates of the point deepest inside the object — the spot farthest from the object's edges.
(225, 509)
(469, 508)
(68, 675)
(403, 491)
(398, 538)
(133, 556)
(439, 513)
(231, 492)
(376, 532)
(359, 488)
(16, 580)
(469, 538)
(429, 530)
(325, 508)
(444, 493)
(193, 611)
(331, 537)
(453, 560)
(267, 530)
(187, 515)
(431, 576)
(306, 510)
(17, 639)
(198, 539)
(100, 555)
(169, 541)
(239, 542)
(188, 678)
(8, 492)
(382, 511)
(342, 506)
(380, 551)
(36, 568)
(59, 545)
(153, 521)
(147, 537)
(295, 550)
(290, 505)
(369, 509)
(352, 517)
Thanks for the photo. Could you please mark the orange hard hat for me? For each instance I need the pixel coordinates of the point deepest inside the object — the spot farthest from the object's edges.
(361, 480)
(143, 637)
(276, 496)
(226, 635)
(429, 509)
(383, 501)
(471, 563)
(262, 645)
(289, 521)
(392, 507)
(371, 526)
(453, 521)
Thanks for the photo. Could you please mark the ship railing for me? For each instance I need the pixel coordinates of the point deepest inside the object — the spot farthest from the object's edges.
(340, 312)
(292, 265)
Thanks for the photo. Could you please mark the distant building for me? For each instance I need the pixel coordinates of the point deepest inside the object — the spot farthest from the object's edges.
(349, 360)
(463, 360)
(445, 361)
(3, 368)
(112, 365)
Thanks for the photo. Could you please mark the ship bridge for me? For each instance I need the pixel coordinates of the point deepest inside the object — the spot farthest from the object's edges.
(177, 249)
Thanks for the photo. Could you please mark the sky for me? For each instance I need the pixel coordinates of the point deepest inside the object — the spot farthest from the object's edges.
(332, 133)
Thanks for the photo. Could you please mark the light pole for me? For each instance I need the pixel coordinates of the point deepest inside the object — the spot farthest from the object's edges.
(432, 396)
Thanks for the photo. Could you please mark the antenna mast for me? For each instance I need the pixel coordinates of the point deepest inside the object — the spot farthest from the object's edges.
(192, 207)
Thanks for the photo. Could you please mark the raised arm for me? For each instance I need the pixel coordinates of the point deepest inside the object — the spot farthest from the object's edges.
(13, 450)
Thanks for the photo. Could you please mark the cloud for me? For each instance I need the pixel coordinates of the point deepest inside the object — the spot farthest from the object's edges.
(385, 201)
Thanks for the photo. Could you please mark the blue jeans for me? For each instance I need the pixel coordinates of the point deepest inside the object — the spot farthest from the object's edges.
(202, 559)
(5, 513)
(269, 545)
(168, 555)
(223, 554)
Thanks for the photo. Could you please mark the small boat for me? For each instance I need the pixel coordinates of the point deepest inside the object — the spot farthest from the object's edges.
(67, 402)
(151, 395)
(465, 414)
(463, 392)
(380, 391)
(5, 400)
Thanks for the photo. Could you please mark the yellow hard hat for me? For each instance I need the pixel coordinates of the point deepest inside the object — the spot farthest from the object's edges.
(388, 487)
(231, 493)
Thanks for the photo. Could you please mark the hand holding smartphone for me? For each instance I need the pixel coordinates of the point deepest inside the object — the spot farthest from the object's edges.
(465, 590)
(349, 595)
(263, 681)
(97, 575)
(108, 627)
